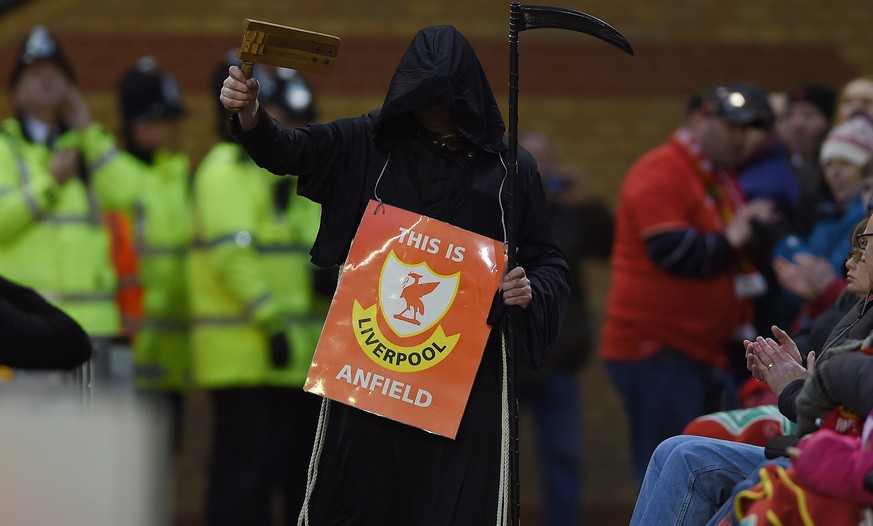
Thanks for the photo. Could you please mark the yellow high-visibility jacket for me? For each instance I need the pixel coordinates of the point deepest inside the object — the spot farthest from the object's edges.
(51, 236)
(156, 199)
(250, 277)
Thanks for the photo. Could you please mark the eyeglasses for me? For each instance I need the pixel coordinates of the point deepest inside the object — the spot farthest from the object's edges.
(855, 255)
(861, 239)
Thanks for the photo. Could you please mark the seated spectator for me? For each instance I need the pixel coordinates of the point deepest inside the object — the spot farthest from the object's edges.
(845, 158)
(709, 469)
(36, 334)
(835, 464)
(715, 472)
(825, 479)
(844, 293)
(759, 419)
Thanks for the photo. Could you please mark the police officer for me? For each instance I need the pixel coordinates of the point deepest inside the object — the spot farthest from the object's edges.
(153, 190)
(254, 330)
(51, 234)
(143, 184)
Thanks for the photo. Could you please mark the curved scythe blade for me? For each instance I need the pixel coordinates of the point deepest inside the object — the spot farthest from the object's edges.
(543, 16)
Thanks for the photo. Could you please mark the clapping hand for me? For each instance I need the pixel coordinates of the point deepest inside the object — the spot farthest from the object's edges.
(777, 362)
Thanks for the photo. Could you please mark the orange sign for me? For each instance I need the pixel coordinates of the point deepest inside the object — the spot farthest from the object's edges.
(406, 328)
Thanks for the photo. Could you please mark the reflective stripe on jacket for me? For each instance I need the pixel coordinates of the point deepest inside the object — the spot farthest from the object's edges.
(249, 274)
(155, 198)
(51, 236)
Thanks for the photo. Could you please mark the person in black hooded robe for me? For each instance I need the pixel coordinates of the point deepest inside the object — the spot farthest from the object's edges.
(439, 136)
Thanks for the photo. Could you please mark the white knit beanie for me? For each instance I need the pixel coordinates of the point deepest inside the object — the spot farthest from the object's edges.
(852, 140)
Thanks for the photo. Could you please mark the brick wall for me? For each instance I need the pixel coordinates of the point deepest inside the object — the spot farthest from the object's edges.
(603, 108)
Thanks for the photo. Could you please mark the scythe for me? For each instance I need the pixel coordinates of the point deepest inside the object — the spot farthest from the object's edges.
(522, 18)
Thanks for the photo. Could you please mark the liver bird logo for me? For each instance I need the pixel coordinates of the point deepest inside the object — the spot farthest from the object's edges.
(412, 297)
(412, 292)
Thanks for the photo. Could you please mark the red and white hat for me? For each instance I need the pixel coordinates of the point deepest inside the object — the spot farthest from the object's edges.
(851, 140)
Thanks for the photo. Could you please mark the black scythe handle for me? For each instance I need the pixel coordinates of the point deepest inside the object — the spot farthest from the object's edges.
(515, 25)
(522, 18)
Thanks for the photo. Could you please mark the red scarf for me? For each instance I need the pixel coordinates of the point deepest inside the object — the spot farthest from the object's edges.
(724, 191)
(721, 185)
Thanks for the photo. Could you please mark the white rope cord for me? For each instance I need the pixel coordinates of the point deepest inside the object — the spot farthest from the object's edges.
(503, 499)
(500, 202)
(503, 491)
(312, 472)
(324, 413)
(378, 179)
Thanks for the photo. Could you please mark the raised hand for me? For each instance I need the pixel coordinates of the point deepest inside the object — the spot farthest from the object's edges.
(240, 95)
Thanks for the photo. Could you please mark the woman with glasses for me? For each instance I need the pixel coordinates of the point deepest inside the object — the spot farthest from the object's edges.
(818, 322)
(822, 310)
(708, 468)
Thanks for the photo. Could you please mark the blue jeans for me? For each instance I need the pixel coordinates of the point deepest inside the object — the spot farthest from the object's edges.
(753, 479)
(554, 401)
(690, 477)
(661, 395)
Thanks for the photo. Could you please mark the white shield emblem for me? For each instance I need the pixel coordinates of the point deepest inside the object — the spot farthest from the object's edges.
(413, 298)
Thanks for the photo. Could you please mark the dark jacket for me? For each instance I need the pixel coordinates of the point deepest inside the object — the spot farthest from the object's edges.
(846, 336)
(374, 470)
(36, 334)
(815, 336)
(846, 379)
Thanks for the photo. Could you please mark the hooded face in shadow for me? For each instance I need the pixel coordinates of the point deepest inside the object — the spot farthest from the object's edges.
(440, 69)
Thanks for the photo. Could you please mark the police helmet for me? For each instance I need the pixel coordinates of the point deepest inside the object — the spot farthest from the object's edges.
(291, 93)
(147, 94)
(280, 86)
(40, 46)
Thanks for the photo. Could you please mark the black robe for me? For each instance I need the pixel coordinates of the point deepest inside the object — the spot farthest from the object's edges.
(374, 470)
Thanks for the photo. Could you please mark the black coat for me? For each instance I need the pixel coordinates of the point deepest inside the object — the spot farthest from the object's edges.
(848, 335)
(37, 335)
(374, 470)
(816, 335)
(845, 379)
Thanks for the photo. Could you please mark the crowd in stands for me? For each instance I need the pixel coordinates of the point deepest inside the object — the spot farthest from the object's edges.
(751, 405)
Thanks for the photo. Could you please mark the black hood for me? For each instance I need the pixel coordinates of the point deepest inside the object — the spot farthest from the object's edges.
(440, 68)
